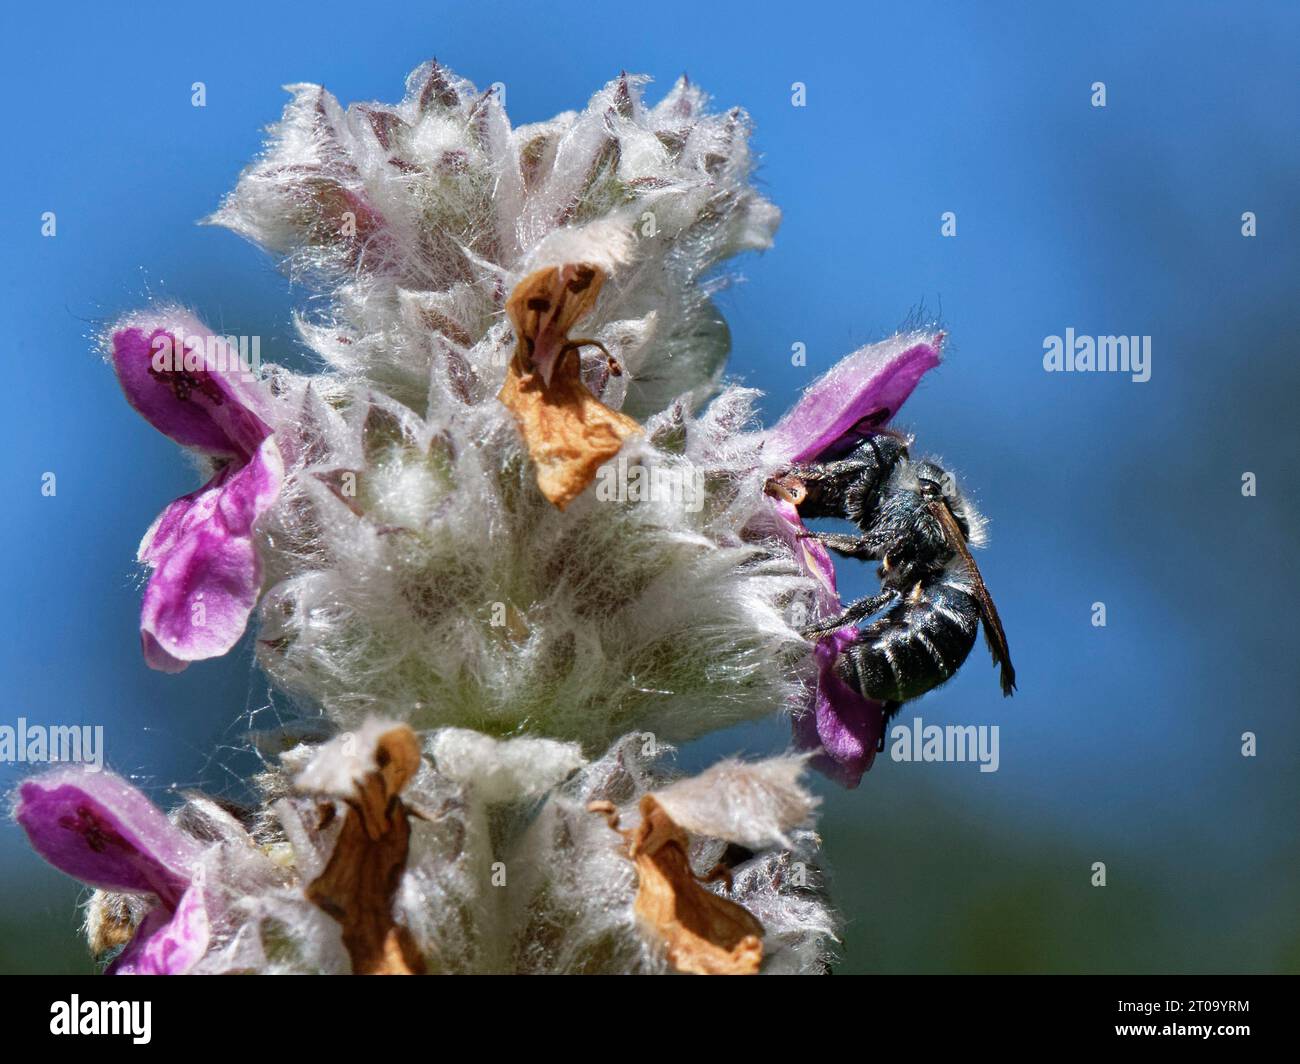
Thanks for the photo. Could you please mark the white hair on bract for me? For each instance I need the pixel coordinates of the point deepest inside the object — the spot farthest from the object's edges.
(412, 568)
(754, 805)
(508, 869)
(415, 576)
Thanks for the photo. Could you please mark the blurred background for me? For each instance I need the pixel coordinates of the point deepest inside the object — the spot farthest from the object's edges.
(1123, 744)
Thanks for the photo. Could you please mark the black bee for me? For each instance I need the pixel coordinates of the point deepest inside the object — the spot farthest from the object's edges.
(916, 523)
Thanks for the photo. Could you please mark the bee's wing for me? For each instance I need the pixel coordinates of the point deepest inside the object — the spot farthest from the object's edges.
(993, 633)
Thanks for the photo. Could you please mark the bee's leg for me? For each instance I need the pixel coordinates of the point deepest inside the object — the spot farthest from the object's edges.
(840, 469)
(858, 611)
(849, 546)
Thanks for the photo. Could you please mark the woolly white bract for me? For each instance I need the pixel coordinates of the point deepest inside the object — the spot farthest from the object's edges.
(413, 574)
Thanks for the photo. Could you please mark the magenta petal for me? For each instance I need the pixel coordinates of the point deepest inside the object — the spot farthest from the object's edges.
(844, 724)
(207, 574)
(168, 942)
(848, 725)
(863, 390)
(811, 555)
(189, 384)
(193, 386)
(97, 828)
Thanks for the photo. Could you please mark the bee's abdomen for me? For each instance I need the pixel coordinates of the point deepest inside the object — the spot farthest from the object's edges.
(916, 645)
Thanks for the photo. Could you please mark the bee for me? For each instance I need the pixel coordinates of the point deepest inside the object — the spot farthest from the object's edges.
(915, 522)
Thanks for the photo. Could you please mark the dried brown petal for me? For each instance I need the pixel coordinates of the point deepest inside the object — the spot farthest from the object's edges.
(544, 306)
(703, 933)
(569, 432)
(363, 874)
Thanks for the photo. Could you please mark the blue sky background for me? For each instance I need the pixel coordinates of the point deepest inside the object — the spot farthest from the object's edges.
(1123, 744)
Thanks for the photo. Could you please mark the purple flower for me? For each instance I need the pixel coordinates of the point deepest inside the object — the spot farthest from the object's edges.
(98, 828)
(191, 386)
(859, 395)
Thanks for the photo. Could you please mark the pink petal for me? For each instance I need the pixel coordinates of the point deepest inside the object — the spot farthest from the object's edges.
(214, 408)
(168, 942)
(849, 726)
(844, 724)
(97, 828)
(811, 555)
(207, 573)
(860, 392)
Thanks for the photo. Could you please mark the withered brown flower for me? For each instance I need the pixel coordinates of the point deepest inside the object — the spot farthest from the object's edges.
(703, 933)
(365, 869)
(569, 432)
